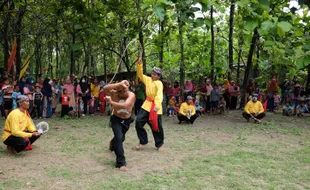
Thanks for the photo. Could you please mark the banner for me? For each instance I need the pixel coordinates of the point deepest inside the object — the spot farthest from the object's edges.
(12, 56)
(24, 67)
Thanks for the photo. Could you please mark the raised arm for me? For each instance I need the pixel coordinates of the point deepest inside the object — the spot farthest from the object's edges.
(110, 88)
(140, 74)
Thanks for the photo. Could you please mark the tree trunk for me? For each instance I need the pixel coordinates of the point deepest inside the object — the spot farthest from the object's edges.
(230, 38)
(212, 45)
(86, 57)
(182, 74)
(249, 65)
(141, 36)
(161, 43)
(57, 48)
(37, 56)
(72, 65)
(240, 43)
(105, 67)
(18, 59)
(6, 48)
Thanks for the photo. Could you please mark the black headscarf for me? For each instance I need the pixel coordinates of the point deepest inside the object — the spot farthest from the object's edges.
(84, 85)
(47, 88)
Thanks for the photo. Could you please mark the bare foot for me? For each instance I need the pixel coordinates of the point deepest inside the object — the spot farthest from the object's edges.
(123, 169)
(139, 146)
(161, 149)
(10, 150)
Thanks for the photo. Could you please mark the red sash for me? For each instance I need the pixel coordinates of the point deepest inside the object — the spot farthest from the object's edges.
(153, 117)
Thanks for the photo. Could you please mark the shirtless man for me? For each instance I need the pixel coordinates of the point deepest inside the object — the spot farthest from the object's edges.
(122, 101)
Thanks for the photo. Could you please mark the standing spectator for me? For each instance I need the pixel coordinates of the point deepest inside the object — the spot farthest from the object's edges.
(277, 100)
(21, 85)
(177, 90)
(15, 94)
(296, 97)
(203, 95)
(272, 88)
(65, 108)
(234, 92)
(226, 93)
(70, 92)
(250, 89)
(47, 99)
(1, 104)
(140, 96)
(214, 97)
(37, 102)
(28, 91)
(208, 100)
(102, 103)
(94, 88)
(188, 90)
(7, 89)
(82, 90)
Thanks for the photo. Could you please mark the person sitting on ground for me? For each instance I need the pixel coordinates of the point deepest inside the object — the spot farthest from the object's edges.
(302, 109)
(187, 111)
(254, 109)
(19, 130)
(171, 107)
(288, 110)
(198, 108)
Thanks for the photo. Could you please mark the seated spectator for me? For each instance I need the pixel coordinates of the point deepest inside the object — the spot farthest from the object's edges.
(302, 109)
(171, 107)
(288, 110)
(198, 108)
(254, 109)
(187, 111)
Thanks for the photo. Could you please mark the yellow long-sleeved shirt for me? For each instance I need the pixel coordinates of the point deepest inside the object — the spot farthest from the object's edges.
(252, 108)
(94, 90)
(16, 123)
(185, 107)
(154, 90)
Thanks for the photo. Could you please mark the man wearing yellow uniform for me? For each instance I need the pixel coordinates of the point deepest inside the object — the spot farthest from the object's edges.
(151, 110)
(187, 111)
(254, 109)
(19, 130)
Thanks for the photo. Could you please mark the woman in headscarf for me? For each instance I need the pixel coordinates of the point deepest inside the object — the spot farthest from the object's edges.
(28, 91)
(82, 90)
(70, 91)
(226, 93)
(21, 84)
(47, 99)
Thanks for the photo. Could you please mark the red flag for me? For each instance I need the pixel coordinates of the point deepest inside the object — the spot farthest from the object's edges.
(265, 105)
(12, 56)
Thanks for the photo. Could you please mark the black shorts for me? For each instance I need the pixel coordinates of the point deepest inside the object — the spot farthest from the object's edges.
(8, 105)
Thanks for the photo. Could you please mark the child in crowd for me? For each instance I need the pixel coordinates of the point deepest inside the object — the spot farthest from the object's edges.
(277, 100)
(302, 109)
(102, 100)
(171, 107)
(288, 110)
(65, 103)
(199, 109)
(37, 102)
(222, 105)
(15, 95)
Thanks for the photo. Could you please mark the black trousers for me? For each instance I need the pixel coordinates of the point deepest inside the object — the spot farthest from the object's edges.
(65, 109)
(248, 116)
(19, 143)
(184, 118)
(141, 120)
(85, 102)
(37, 111)
(233, 102)
(120, 127)
(138, 105)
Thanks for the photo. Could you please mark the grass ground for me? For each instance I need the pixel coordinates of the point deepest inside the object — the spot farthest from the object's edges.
(217, 152)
